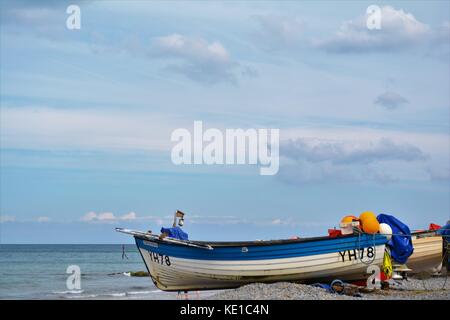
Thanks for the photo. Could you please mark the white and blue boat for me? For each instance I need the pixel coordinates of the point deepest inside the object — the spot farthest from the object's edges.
(176, 265)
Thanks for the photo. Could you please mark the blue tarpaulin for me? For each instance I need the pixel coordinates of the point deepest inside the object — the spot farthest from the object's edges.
(175, 232)
(400, 243)
(445, 232)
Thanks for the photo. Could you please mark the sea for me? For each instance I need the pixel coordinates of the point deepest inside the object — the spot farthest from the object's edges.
(48, 271)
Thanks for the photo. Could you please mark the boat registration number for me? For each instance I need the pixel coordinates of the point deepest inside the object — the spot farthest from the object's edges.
(159, 258)
(356, 254)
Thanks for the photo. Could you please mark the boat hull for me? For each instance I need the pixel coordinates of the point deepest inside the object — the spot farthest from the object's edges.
(427, 253)
(174, 268)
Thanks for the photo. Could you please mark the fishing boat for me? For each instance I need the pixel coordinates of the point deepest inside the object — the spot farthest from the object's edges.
(176, 265)
(427, 255)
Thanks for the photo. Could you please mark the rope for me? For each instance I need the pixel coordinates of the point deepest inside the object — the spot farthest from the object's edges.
(445, 256)
(409, 235)
(445, 281)
(340, 282)
(359, 249)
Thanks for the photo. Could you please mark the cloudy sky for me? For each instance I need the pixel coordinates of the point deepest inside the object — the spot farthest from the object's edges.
(86, 116)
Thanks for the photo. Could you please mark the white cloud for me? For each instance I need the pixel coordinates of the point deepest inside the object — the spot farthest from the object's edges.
(399, 30)
(107, 217)
(430, 143)
(89, 216)
(276, 221)
(307, 160)
(348, 152)
(7, 218)
(417, 151)
(128, 216)
(43, 219)
(103, 216)
(196, 58)
(177, 45)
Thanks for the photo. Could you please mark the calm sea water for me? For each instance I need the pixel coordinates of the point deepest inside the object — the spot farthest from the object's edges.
(39, 272)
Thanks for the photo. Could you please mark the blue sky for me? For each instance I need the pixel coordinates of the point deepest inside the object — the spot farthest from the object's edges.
(86, 116)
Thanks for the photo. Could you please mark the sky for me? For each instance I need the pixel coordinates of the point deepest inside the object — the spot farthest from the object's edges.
(86, 116)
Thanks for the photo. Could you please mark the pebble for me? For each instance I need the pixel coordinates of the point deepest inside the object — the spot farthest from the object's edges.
(437, 288)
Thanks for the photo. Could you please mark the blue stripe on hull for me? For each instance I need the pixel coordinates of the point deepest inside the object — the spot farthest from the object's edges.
(270, 251)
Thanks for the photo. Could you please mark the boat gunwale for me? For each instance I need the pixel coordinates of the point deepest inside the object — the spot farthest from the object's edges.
(268, 242)
(220, 244)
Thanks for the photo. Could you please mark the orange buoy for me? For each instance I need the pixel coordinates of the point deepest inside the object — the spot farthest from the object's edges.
(367, 214)
(369, 222)
(348, 219)
(347, 224)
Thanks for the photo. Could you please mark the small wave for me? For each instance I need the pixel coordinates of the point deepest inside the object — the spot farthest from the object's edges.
(100, 295)
(68, 292)
(86, 296)
(128, 274)
(131, 293)
(120, 294)
(142, 292)
(115, 295)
